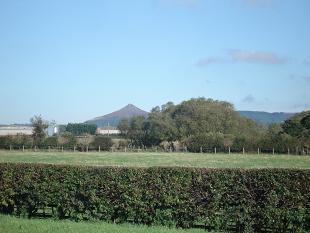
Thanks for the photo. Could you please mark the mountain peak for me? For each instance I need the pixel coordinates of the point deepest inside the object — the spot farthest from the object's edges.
(114, 118)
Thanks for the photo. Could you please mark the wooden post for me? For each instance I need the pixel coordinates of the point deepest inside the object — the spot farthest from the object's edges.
(200, 149)
(99, 149)
(10, 147)
(214, 150)
(296, 150)
(288, 151)
(273, 151)
(35, 148)
(228, 150)
(258, 151)
(86, 148)
(73, 148)
(307, 150)
(49, 149)
(125, 149)
(23, 148)
(243, 150)
(62, 149)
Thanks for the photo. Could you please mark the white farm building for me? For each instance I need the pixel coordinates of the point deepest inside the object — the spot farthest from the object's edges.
(108, 130)
(15, 130)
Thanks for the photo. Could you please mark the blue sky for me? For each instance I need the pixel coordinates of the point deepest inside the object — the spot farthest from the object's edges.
(72, 60)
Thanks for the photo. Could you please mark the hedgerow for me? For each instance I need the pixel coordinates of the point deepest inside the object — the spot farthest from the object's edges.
(254, 200)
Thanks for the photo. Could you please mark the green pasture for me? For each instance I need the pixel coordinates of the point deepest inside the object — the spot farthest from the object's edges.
(148, 159)
(10, 224)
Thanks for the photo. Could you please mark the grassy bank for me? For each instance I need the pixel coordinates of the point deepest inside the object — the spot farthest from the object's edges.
(148, 159)
(9, 224)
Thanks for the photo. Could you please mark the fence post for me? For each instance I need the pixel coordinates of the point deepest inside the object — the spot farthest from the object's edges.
(35, 148)
(125, 149)
(49, 148)
(86, 148)
(307, 150)
(288, 151)
(10, 147)
(23, 148)
(99, 149)
(242, 150)
(62, 149)
(273, 151)
(258, 151)
(229, 150)
(214, 150)
(200, 149)
(73, 148)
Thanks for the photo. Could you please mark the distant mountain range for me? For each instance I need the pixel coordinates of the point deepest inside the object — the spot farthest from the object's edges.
(130, 111)
(114, 118)
(267, 117)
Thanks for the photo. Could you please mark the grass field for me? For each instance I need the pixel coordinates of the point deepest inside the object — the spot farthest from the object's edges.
(10, 224)
(148, 159)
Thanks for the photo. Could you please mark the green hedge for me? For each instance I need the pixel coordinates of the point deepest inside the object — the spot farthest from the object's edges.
(254, 200)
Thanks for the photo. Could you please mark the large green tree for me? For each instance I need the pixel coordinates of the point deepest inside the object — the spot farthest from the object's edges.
(39, 129)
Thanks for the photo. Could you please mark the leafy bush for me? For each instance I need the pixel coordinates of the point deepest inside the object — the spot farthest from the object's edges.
(104, 142)
(261, 200)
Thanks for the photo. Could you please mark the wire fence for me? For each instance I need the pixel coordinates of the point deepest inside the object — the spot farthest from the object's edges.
(154, 149)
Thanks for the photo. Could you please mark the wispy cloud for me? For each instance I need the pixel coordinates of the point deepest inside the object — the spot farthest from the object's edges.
(300, 77)
(258, 3)
(208, 61)
(255, 56)
(184, 3)
(306, 62)
(302, 106)
(248, 99)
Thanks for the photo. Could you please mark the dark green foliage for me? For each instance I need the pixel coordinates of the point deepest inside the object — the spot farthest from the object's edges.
(205, 142)
(262, 200)
(16, 141)
(50, 141)
(67, 140)
(104, 142)
(305, 122)
(81, 128)
(39, 126)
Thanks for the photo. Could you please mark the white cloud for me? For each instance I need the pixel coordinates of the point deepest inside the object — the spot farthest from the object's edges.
(255, 56)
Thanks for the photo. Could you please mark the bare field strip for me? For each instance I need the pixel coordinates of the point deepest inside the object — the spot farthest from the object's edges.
(149, 159)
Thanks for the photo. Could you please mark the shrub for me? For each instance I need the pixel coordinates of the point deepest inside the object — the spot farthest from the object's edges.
(104, 142)
(256, 200)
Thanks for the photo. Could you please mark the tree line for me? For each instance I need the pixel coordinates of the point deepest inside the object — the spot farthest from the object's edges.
(200, 124)
(79, 135)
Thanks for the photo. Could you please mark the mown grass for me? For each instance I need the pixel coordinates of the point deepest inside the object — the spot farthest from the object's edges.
(148, 159)
(11, 224)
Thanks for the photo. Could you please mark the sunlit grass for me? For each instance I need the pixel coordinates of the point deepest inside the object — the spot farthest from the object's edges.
(147, 159)
(10, 224)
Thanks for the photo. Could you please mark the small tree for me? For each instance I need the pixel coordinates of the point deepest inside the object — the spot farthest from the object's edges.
(39, 126)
